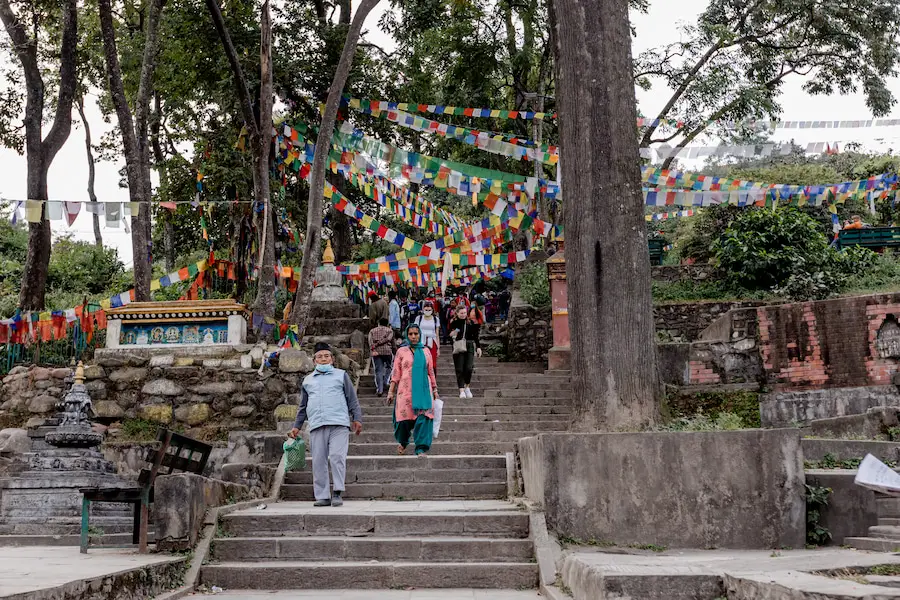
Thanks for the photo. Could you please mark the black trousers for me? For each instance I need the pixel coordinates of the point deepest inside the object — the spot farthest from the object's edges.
(464, 363)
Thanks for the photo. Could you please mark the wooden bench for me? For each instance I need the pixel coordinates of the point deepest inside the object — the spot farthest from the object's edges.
(657, 250)
(175, 453)
(875, 238)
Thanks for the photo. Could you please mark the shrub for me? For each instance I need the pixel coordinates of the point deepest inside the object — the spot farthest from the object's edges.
(781, 249)
(700, 422)
(534, 285)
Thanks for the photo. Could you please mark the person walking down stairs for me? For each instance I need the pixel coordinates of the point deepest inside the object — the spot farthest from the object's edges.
(328, 400)
(381, 347)
(414, 384)
(430, 326)
(464, 330)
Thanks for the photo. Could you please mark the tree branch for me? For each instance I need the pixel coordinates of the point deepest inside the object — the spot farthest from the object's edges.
(240, 81)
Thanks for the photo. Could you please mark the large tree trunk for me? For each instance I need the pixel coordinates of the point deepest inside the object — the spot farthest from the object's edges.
(614, 363)
(311, 246)
(98, 237)
(135, 138)
(265, 293)
(159, 157)
(341, 236)
(41, 152)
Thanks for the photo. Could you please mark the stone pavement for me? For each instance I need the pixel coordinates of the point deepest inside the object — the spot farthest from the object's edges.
(378, 595)
(43, 568)
(707, 574)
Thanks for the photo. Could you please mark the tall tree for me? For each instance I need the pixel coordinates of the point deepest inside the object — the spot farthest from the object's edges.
(732, 64)
(89, 152)
(614, 362)
(313, 241)
(135, 133)
(39, 150)
(259, 129)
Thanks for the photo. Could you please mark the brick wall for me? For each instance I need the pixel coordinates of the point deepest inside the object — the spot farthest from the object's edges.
(830, 343)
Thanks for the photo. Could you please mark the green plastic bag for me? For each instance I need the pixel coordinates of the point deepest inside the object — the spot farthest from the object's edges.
(295, 454)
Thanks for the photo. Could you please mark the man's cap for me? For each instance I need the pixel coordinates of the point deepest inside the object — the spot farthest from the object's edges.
(320, 346)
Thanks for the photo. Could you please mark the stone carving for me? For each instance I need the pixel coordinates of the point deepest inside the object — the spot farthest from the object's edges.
(887, 341)
(74, 429)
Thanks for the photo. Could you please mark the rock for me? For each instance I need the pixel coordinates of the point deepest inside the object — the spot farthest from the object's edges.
(286, 412)
(162, 360)
(162, 387)
(184, 361)
(193, 414)
(257, 355)
(42, 404)
(240, 412)
(60, 373)
(254, 387)
(14, 441)
(127, 399)
(246, 361)
(128, 375)
(358, 339)
(43, 384)
(292, 360)
(116, 357)
(34, 422)
(161, 413)
(354, 354)
(56, 392)
(212, 363)
(94, 372)
(274, 386)
(108, 409)
(99, 428)
(231, 363)
(216, 388)
(20, 370)
(96, 386)
(40, 374)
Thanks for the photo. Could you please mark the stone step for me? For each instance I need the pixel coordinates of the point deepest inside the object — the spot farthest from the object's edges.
(369, 575)
(453, 400)
(406, 491)
(529, 393)
(526, 428)
(347, 522)
(421, 475)
(888, 507)
(872, 544)
(889, 521)
(437, 448)
(885, 532)
(384, 437)
(479, 380)
(482, 418)
(475, 408)
(406, 464)
(109, 539)
(428, 549)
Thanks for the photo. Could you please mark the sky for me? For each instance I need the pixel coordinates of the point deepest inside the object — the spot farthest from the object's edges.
(68, 173)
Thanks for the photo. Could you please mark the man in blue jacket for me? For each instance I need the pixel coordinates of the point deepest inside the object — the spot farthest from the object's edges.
(328, 400)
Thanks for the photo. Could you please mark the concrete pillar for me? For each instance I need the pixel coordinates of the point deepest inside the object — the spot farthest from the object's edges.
(558, 358)
(237, 329)
(113, 331)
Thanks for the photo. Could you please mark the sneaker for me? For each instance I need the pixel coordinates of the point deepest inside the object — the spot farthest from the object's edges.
(462, 394)
(469, 393)
(325, 502)
(337, 500)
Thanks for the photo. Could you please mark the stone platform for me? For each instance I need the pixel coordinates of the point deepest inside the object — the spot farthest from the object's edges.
(41, 572)
(715, 574)
(464, 594)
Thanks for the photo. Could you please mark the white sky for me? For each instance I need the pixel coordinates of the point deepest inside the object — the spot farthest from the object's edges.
(68, 173)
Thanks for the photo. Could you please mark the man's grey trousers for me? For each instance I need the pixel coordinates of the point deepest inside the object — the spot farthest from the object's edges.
(329, 444)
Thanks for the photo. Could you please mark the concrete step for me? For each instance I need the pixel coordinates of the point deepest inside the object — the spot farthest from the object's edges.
(475, 408)
(481, 490)
(885, 532)
(889, 521)
(369, 575)
(872, 544)
(428, 549)
(529, 427)
(346, 522)
(426, 475)
(482, 418)
(383, 437)
(437, 448)
(409, 463)
(888, 507)
(527, 393)
(110, 539)
(453, 400)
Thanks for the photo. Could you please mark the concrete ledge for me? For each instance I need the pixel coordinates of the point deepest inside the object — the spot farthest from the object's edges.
(816, 449)
(851, 509)
(732, 489)
(784, 409)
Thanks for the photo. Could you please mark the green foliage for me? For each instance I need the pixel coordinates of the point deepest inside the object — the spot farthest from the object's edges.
(724, 421)
(741, 404)
(882, 274)
(84, 268)
(689, 291)
(495, 350)
(139, 430)
(816, 500)
(534, 284)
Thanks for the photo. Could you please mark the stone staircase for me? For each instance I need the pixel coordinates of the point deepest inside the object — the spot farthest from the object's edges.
(884, 537)
(436, 522)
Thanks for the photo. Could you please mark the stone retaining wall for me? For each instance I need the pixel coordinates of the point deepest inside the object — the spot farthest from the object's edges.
(685, 322)
(529, 333)
(695, 273)
(205, 397)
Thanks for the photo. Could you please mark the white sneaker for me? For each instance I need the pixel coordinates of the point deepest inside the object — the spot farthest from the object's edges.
(462, 394)
(469, 393)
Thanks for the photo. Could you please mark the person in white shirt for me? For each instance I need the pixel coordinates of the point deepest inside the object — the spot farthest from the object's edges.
(430, 326)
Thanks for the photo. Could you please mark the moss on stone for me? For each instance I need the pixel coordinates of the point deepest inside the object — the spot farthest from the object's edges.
(743, 403)
(286, 412)
(161, 413)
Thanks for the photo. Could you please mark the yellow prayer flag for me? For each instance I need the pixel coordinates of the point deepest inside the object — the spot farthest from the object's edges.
(495, 186)
(34, 209)
(329, 192)
(106, 304)
(135, 208)
(154, 285)
(409, 244)
(354, 102)
(366, 220)
(454, 258)
(495, 113)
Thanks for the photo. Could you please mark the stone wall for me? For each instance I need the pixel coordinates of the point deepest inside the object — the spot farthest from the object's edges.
(696, 273)
(735, 489)
(851, 509)
(685, 322)
(205, 397)
(529, 333)
(845, 342)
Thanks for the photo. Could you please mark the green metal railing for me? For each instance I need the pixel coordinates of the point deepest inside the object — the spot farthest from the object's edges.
(64, 352)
